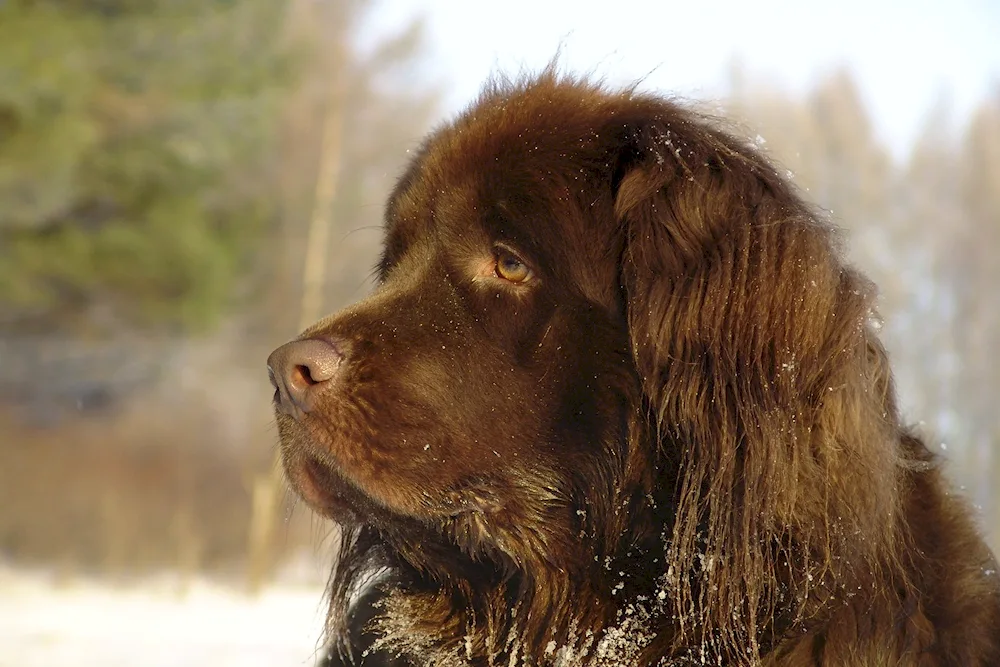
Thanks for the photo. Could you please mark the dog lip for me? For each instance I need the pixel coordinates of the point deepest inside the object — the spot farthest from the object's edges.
(317, 483)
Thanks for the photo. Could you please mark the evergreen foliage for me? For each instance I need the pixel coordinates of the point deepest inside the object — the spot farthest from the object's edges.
(135, 139)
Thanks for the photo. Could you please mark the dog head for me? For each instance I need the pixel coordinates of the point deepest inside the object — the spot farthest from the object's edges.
(609, 345)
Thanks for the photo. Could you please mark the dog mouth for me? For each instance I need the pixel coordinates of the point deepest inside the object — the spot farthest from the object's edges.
(324, 490)
(333, 495)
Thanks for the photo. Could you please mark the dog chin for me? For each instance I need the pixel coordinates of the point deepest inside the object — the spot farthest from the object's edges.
(324, 490)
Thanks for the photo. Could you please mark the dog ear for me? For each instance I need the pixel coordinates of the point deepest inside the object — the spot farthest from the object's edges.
(768, 394)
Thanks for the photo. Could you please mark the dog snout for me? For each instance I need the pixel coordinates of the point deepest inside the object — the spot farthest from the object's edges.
(300, 370)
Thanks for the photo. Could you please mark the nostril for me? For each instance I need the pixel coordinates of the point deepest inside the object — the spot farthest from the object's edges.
(302, 375)
(276, 398)
(317, 361)
(295, 368)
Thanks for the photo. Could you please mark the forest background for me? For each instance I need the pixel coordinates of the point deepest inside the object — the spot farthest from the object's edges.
(164, 164)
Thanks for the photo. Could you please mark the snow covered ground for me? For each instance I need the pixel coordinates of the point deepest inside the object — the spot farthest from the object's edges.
(45, 623)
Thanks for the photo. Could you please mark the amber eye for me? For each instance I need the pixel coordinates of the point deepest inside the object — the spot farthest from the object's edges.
(510, 267)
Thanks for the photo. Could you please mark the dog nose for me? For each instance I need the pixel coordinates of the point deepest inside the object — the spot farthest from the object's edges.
(298, 370)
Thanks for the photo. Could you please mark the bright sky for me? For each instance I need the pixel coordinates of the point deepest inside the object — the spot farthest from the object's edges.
(904, 52)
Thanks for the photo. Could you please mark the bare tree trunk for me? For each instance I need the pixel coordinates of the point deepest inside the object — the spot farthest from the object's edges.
(267, 486)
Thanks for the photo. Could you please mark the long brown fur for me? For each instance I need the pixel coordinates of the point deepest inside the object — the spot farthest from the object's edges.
(677, 443)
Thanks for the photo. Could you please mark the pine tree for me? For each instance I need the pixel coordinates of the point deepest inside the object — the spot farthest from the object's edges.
(135, 139)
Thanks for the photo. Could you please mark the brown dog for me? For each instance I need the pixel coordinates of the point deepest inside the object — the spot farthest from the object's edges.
(617, 401)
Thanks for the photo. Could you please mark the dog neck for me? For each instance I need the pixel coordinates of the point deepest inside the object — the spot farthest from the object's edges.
(438, 606)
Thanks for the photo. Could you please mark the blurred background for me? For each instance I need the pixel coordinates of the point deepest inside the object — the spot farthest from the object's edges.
(164, 165)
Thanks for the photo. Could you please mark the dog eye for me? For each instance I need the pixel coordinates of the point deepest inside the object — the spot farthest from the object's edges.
(510, 267)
